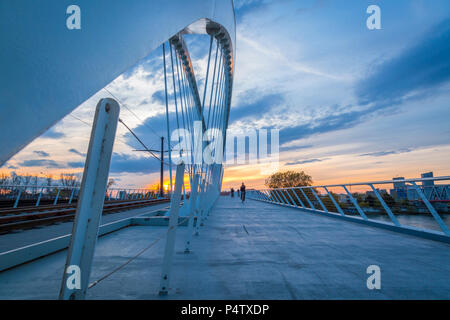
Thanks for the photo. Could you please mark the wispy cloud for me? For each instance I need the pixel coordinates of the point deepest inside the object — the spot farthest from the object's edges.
(261, 106)
(424, 65)
(53, 134)
(276, 55)
(385, 153)
(42, 163)
(293, 163)
(41, 153)
(75, 151)
(75, 164)
(121, 163)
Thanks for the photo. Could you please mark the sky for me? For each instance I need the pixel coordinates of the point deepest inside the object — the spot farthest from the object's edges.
(351, 104)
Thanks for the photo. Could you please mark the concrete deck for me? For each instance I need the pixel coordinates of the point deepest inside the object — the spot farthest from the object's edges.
(254, 251)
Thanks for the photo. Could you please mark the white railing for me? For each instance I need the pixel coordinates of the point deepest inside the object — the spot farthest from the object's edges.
(406, 191)
(38, 193)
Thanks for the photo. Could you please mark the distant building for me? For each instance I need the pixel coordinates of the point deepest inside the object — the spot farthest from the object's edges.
(399, 191)
(427, 175)
(411, 194)
(439, 192)
(400, 184)
(381, 192)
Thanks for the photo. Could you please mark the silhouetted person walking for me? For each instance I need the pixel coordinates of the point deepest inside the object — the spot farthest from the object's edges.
(232, 192)
(242, 192)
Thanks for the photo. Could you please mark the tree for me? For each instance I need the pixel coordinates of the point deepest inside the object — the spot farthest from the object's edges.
(4, 179)
(111, 181)
(289, 179)
(370, 200)
(49, 178)
(69, 180)
(388, 199)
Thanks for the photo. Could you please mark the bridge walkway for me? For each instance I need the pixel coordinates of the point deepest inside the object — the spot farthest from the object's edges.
(254, 251)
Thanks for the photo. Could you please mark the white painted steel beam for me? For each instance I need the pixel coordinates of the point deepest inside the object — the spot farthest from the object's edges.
(171, 233)
(91, 198)
(48, 70)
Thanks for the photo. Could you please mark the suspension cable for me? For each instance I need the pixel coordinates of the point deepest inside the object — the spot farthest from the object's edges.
(131, 111)
(167, 115)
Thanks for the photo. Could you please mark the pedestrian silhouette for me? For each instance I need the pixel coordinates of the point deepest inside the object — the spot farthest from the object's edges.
(242, 192)
(232, 192)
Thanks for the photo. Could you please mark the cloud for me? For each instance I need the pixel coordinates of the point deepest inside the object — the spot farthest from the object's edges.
(53, 134)
(75, 151)
(121, 163)
(422, 66)
(75, 164)
(385, 153)
(283, 60)
(259, 107)
(151, 131)
(297, 147)
(304, 161)
(41, 153)
(327, 123)
(160, 97)
(41, 163)
(401, 79)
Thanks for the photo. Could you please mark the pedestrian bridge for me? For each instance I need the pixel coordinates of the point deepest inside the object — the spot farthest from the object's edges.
(255, 250)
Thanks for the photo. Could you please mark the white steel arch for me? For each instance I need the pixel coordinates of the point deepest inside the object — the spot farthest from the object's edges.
(47, 70)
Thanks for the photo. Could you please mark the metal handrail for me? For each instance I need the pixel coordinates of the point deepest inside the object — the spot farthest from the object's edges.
(277, 196)
(443, 178)
(15, 191)
(64, 187)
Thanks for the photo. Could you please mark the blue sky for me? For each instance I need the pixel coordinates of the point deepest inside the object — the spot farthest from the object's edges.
(352, 104)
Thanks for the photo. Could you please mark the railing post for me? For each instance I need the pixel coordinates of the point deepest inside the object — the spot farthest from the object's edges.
(39, 198)
(90, 200)
(16, 203)
(334, 202)
(318, 199)
(279, 196)
(386, 208)
(71, 196)
(57, 196)
(259, 195)
(270, 195)
(192, 210)
(290, 198)
(171, 233)
(355, 203)
(436, 215)
(284, 197)
(307, 199)
(298, 198)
